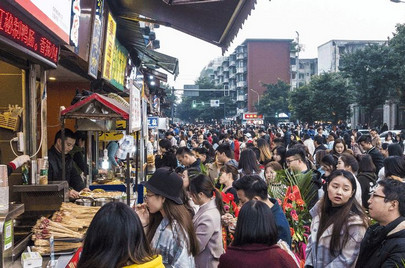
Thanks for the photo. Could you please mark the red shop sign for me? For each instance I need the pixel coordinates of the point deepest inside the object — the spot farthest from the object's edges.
(17, 30)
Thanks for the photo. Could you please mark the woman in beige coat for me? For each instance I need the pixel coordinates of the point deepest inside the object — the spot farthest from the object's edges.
(207, 221)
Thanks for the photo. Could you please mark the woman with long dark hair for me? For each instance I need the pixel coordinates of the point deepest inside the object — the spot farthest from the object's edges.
(338, 225)
(116, 239)
(167, 156)
(279, 155)
(255, 240)
(339, 147)
(207, 221)
(248, 163)
(168, 223)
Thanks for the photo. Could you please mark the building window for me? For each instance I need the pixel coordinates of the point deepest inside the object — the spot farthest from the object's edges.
(301, 76)
(292, 61)
(293, 75)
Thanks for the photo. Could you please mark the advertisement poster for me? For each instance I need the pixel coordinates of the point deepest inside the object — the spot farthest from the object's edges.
(95, 42)
(55, 15)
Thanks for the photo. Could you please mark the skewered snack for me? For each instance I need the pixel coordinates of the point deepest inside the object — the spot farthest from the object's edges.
(67, 226)
(45, 227)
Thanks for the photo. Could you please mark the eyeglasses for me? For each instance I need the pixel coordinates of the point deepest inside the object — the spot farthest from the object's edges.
(289, 161)
(148, 196)
(372, 195)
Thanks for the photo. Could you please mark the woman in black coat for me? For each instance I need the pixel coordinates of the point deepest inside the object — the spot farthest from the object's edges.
(167, 158)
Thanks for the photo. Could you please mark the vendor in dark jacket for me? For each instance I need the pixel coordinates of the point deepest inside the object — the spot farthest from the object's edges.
(252, 187)
(76, 183)
(167, 157)
(255, 243)
(384, 242)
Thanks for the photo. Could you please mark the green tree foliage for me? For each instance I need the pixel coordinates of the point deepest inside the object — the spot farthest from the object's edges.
(397, 52)
(203, 110)
(274, 100)
(370, 70)
(300, 103)
(325, 98)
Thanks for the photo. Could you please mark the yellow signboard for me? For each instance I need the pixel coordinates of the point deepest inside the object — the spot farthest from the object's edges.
(109, 47)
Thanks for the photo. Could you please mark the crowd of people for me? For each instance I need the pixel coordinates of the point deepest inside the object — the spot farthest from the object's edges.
(354, 180)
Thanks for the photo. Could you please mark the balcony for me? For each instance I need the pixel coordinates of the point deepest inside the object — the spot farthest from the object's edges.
(241, 56)
(226, 69)
(232, 62)
(226, 80)
(241, 84)
(241, 70)
(241, 98)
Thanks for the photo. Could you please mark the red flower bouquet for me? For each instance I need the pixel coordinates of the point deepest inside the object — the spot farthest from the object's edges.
(296, 212)
(229, 219)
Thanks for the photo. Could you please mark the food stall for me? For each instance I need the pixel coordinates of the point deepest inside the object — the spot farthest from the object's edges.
(99, 113)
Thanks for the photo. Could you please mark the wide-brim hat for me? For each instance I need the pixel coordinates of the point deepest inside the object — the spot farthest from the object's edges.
(167, 183)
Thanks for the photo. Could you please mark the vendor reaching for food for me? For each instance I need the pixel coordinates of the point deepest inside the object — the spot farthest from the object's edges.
(76, 183)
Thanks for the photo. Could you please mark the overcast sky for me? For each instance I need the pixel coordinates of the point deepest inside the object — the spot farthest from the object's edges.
(316, 21)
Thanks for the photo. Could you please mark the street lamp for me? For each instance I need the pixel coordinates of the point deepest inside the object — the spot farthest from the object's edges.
(258, 96)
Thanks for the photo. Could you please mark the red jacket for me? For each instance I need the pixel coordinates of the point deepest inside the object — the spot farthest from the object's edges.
(256, 256)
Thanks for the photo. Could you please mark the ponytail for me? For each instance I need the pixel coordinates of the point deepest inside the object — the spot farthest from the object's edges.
(203, 184)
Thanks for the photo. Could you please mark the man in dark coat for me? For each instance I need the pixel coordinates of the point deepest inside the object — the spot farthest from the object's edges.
(384, 242)
(378, 159)
(76, 183)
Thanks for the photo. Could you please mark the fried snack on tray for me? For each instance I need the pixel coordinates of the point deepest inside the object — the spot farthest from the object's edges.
(70, 222)
(45, 227)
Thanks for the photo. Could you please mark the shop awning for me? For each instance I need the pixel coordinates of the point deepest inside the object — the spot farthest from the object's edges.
(97, 107)
(129, 34)
(216, 22)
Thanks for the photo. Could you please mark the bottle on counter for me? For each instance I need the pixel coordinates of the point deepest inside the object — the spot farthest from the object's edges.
(43, 172)
(4, 191)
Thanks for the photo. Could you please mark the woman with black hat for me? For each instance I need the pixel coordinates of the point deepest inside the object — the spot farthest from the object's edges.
(168, 223)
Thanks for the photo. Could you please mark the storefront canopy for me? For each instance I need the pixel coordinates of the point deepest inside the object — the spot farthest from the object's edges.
(97, 107)
(216, 22)
(129, 34)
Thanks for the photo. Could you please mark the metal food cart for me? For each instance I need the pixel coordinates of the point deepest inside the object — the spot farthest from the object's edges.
(99, 113)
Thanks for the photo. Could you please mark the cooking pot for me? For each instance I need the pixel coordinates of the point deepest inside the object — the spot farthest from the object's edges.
(99, 202)
(84, 202)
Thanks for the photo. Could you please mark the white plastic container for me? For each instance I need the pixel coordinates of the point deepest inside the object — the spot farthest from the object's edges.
(31, 260)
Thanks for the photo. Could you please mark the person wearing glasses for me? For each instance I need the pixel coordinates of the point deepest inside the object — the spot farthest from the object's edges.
(338, 225)
(296, 161)
(167, 221)
(384, 242)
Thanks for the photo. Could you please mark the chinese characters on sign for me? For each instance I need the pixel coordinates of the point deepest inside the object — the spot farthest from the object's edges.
(21, 33)
(109, 47)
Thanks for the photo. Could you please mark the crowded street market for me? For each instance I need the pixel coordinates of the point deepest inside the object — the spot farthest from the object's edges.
(103, 164)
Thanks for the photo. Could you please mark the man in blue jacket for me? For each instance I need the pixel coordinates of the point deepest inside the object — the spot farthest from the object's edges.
(251, 187)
